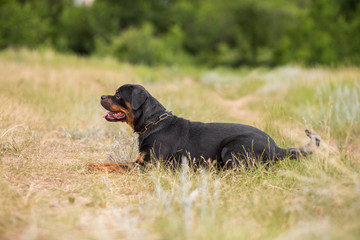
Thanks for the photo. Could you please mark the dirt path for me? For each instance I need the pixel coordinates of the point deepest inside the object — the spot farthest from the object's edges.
(239, 108)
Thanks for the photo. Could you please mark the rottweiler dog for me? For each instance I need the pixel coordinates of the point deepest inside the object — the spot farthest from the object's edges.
(164, 136)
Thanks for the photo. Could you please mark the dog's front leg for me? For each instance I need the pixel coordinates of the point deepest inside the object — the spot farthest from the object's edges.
(111, 167)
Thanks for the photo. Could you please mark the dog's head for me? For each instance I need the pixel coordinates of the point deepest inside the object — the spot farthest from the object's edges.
(126, 104)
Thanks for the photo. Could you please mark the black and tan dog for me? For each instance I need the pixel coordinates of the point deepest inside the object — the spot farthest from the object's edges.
(164, 136)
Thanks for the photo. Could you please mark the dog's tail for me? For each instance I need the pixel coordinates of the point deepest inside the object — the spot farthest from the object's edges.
(304, 150)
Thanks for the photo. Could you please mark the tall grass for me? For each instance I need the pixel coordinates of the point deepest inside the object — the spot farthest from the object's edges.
(293, 200)
(327, 101)
(339, 109)
(51, 126)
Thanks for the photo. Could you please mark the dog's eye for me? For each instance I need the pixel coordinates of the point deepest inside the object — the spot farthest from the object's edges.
(117, 96)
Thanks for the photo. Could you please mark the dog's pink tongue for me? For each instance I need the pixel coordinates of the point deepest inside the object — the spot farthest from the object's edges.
(114, 115)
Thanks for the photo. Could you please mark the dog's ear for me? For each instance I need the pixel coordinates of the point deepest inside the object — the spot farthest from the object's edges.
(138, 97)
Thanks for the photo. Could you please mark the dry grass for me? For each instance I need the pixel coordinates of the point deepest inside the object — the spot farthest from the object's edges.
(51, 126)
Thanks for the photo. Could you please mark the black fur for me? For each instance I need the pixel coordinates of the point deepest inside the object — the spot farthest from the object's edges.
(175, 137)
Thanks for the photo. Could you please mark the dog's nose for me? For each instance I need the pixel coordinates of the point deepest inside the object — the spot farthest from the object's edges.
(103, 97)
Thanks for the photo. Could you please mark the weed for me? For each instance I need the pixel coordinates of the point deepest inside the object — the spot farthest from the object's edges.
(123, 149)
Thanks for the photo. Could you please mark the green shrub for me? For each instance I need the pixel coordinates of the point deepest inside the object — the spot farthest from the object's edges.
(142, 46)
(139, 45)
(77, 34)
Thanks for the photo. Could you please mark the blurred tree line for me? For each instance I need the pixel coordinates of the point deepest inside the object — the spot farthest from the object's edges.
(209, 32)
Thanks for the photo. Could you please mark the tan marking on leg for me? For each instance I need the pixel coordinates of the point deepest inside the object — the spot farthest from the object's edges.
(110, 167)
(140, 158)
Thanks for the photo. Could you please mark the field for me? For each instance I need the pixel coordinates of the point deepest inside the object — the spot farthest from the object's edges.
(51, 125)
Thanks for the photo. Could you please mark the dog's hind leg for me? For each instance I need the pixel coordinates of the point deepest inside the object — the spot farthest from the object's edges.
(233, 155)
(304, 150)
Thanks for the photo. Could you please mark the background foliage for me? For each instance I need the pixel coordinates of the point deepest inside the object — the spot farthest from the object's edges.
(206, 32)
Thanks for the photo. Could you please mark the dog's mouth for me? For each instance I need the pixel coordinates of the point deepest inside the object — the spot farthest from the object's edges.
(114, 116)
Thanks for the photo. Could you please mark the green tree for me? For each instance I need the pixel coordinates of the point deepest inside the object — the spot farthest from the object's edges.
(76, 30)
(21, 26)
